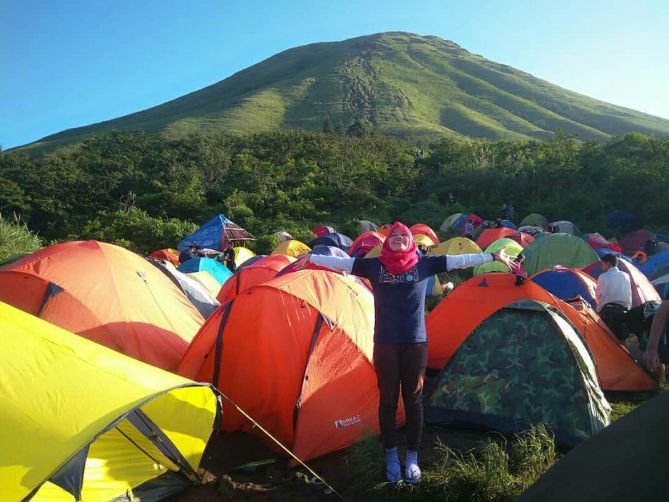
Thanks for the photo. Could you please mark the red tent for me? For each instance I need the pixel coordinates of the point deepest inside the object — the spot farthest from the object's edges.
(490, 235)
(365, 242)
(259, 271)
(521, 238)
(421, 228)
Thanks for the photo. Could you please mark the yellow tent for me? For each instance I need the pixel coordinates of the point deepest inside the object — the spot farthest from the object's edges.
(242, 254)
(423, 241)
(375, 252)
(456, 245)
(80, 421)
(292, 248)
(207, 280)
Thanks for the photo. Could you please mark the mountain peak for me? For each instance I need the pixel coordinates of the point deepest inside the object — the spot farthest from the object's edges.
(408, 85)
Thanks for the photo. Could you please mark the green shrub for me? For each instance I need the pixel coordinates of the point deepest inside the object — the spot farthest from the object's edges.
(16, 240)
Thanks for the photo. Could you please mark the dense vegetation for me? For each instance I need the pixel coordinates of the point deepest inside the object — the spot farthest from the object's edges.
(148, 191)
(421, 88)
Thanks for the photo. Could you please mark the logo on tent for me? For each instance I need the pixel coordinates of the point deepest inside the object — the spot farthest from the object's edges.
(483, 283)
(347, 422)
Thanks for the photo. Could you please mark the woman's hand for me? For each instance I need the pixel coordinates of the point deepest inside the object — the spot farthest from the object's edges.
(504, 258)
(302, 262)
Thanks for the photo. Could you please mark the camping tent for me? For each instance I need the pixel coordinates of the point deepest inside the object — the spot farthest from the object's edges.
(107, 294)
(423, 242)
(558, 249)
(292, 247)
(296, 354)
(82, 422)
(565, 227)
(566, 283)
(635, 241)
(258, 272)
(334, 239)
(364, 242)
(598, 241)
(366, 226)
(534, 220)
(453, 222)
(170, 255)
(195, 291)
(476, 299)
(423, 229)
(524, 364)
(242, 254)
(512, 249)
(532, 230)
(217, 270)
(521, 238)
(215, 234)
(655, 263)
(490, 235)
(621, 220)
(456, 245)
(626, 461)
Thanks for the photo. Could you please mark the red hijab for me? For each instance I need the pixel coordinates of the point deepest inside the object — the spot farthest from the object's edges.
(399, 262)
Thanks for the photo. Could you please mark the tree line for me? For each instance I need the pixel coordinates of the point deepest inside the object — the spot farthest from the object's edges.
(147, 191)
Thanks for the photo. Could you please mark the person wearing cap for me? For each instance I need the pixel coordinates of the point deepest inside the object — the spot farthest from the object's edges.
(399, 281)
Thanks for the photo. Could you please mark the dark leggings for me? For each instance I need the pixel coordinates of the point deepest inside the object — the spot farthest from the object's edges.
(400, 365)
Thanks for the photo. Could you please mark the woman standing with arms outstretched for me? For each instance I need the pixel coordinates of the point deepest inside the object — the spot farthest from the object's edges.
(399, 281)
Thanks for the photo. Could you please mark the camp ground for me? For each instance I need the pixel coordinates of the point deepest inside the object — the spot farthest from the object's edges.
(284, 356)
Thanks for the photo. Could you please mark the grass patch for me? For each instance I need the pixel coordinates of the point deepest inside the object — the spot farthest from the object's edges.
(499, 471)
(622, 408)
(16, 240)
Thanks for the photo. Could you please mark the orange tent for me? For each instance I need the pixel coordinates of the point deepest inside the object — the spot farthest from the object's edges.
(423, 229)
(107, 294)
(259, 271)
(469, 304)
(385, 229)
(521, 238)
(168, 254)
(296, 354)
(490, 235)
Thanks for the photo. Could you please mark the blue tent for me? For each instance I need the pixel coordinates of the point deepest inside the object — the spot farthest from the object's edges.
(334, 239)
(218, 271)
(654, 263)
(214, 232)
(622, 220)
(566, 283)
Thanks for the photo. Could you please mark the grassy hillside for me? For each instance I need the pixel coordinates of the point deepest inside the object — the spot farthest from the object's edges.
(406, 85)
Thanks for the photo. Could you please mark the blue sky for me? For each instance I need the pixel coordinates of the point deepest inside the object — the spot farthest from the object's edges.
(69, 63)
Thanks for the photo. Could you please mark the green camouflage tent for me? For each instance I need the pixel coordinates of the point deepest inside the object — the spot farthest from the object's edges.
(524, 365)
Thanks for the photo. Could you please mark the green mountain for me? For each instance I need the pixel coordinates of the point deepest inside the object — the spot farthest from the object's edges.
(418, 87)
